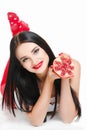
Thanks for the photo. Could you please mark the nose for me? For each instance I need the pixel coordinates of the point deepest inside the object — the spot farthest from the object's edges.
(34, 61)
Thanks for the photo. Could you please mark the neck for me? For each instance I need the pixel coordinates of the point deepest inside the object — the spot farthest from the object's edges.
(42, 77)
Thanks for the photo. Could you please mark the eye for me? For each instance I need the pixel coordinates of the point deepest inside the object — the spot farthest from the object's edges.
(25, 59)
(36, 51)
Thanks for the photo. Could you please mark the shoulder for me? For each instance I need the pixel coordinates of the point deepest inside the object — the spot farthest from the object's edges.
(75, 80)
(77, 64)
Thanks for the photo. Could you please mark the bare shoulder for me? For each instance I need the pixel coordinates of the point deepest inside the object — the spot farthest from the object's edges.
(75, 81)
(77, 64)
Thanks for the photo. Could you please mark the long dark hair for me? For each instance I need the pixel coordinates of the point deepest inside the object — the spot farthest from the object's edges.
(21, 85)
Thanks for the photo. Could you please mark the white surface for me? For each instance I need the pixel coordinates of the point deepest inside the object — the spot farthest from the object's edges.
(21, 122)
(63, 24)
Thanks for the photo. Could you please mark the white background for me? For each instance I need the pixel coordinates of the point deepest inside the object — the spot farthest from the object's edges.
(63, 24)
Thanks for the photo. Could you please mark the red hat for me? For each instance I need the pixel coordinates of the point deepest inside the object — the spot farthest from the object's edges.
(4, 78)
(16, 24)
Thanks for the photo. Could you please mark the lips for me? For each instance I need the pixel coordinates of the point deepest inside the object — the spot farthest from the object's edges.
(38, 65)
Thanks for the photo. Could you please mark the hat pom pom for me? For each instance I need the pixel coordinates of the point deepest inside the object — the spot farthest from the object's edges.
(16, 24)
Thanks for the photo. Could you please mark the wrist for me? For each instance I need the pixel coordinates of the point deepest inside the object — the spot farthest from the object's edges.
(50, 80)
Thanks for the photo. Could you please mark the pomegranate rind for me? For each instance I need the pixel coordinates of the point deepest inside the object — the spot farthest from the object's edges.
(63, 66)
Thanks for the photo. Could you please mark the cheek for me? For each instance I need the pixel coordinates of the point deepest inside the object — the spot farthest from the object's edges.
(27, 66)
(46, 57)
(29, 69)
(44, 54)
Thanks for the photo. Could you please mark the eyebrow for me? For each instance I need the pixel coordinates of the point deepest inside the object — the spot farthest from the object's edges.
(33, 49)
(31, 52)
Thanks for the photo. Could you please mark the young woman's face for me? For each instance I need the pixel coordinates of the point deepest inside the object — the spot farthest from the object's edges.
(32, 57)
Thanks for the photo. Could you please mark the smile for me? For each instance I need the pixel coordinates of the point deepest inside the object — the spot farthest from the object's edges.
(38, 65)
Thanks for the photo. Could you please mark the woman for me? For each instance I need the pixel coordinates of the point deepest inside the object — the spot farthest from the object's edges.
(31, 79)
(30, 82)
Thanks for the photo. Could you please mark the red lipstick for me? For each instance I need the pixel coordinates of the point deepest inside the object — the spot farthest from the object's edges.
(38, 65)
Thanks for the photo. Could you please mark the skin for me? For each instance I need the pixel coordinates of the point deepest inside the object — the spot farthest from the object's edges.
(30, 55)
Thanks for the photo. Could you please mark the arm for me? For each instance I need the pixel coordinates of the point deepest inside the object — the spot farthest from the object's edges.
(67, 107)
(39, 110)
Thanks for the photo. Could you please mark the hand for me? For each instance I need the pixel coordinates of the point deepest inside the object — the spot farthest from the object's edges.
(51, 75)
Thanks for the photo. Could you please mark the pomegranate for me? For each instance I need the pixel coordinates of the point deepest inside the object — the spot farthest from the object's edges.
(63, 66)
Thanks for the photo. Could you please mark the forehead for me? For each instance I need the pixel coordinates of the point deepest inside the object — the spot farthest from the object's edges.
(25, 48)
(28, 45)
